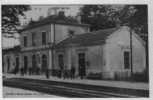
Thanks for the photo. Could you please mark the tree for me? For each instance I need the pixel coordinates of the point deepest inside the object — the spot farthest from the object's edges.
(140, 18)
(105, 16)
(98, 16)
(136, 16)
(10, 17)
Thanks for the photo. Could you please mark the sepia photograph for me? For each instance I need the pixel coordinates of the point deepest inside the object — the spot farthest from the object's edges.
(75, 51)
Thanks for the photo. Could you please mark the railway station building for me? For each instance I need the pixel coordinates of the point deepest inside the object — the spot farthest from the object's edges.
(57, 42)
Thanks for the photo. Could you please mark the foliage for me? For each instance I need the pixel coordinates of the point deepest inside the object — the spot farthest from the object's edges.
(10, 17)
(107, 16)
(97, 16)
(137, 17)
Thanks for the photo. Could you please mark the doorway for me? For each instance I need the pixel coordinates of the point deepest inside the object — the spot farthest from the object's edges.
(17, 64)
(44, 64)
(8, 64)
(82, 65)
(34, 64)
(126, 60)
(61, 61)
(25, 64)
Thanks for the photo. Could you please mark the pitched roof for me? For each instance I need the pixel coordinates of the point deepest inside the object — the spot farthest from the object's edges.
(54, 19)
(87, 39)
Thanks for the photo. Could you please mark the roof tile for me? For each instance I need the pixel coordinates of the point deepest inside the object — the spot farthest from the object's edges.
(53, 19)
(87, 39)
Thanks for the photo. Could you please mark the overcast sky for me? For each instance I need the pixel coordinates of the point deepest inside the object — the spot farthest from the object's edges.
(38, 10)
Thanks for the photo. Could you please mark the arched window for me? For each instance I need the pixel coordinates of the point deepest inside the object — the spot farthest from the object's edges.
(44, 63)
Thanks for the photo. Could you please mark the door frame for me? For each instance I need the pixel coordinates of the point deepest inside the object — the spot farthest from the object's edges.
(84, 57)
(17, 63)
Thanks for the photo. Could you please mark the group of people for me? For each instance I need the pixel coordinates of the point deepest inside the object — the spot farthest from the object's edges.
(31, 71)
(64, 73)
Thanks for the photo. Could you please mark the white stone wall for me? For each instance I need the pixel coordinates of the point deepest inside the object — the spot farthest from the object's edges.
(93, 55)
(115, 46)
(38, 36)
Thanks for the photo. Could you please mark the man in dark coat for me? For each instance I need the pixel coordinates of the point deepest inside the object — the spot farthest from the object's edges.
(47, 73)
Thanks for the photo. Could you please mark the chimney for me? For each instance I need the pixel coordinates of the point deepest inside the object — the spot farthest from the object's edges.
(61, 14)
(52, 11)
(41, 17)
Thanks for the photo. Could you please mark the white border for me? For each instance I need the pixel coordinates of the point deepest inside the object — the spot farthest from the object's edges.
(76, 2)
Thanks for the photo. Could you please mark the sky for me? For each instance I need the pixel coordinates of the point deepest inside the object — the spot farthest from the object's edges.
(39, 10)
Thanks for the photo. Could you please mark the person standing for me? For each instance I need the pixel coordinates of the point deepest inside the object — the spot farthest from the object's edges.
(81, 72)
(22, 71)
(47, 73)
(61, 71)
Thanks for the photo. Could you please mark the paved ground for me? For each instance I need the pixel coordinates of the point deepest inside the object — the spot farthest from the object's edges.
(62, 89)
(119, 84)
(77, 87)
(10, 92)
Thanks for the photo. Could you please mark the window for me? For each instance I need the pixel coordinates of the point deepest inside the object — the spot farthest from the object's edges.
(33, 39)
(25, 41)
(43, 38)
(81, 57)
(126, 60)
